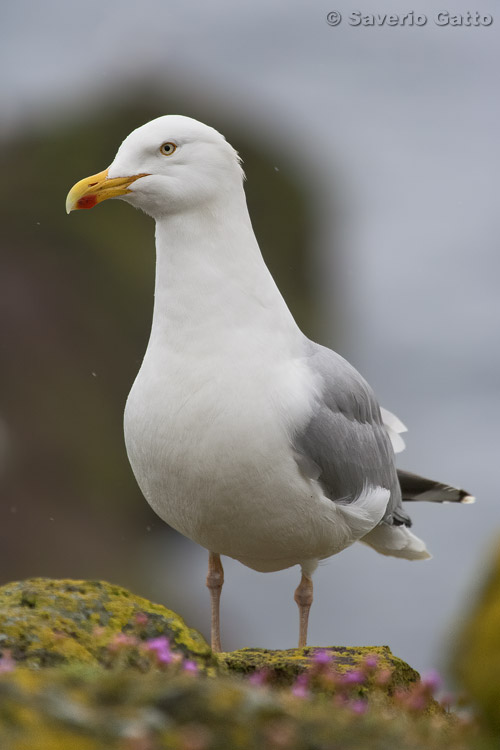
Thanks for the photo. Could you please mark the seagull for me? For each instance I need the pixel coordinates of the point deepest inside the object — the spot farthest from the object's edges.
(243, 434)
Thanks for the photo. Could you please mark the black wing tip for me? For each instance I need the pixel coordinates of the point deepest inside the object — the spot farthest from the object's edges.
(416, 488)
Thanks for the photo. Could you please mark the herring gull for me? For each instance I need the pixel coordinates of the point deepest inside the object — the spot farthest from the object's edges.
(243, 434)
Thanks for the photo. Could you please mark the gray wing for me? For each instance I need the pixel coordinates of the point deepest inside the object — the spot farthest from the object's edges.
(346, 446)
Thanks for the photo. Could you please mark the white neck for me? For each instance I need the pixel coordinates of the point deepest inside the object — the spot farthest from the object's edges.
(211, 279)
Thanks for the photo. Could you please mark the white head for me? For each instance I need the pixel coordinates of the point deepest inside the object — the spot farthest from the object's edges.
(170, 165)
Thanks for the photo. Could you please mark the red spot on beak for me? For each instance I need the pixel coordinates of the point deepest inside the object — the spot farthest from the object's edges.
(88, 201)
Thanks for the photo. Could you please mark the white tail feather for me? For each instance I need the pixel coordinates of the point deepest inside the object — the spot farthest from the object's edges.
(394, 427)
(397, 541)
(392, 421)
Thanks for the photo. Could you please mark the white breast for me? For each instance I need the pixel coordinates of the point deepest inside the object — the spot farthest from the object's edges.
(210, 446)
(210, 449)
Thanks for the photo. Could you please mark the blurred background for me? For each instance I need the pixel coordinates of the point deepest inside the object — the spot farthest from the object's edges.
(372, 158)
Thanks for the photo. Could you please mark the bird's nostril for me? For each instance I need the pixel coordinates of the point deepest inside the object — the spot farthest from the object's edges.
(91, 184)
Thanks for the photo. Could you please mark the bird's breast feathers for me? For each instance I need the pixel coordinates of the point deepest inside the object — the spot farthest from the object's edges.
(215, 425)
(211, 452)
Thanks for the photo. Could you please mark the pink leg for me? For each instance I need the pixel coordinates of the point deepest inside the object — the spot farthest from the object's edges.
(215, 579)
(304, 597)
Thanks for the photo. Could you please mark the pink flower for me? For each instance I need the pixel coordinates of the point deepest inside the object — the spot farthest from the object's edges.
(299, 689)
(7, 663)
(161, 648)
(371, 661)
(258, 678)
(356, 677)
(190, 666)
(358, 707)
(141, 618)
(431, 680)
(156, 644)
(322, 657)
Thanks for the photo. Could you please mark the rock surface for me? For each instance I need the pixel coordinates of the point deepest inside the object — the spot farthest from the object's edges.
(83, 667)
(46, 622)
(283, 667)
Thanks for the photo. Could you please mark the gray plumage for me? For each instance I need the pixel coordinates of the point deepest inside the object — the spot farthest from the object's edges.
(345, 445)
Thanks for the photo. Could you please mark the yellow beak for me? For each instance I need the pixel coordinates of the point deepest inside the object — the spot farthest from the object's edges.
(99, 187)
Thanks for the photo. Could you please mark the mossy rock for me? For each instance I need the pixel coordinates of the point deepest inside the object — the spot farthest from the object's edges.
(75, 702)
(477, 655)
(283, 667)
(45, 622)
(89, 708)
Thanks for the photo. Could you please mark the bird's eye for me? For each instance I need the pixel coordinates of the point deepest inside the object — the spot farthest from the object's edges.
(168, 149)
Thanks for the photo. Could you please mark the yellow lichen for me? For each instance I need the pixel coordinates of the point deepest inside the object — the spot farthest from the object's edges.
(47, 622)
(286, 665)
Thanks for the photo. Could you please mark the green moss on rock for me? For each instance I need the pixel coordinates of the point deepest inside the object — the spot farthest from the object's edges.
(45, 622)
(284, 666)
